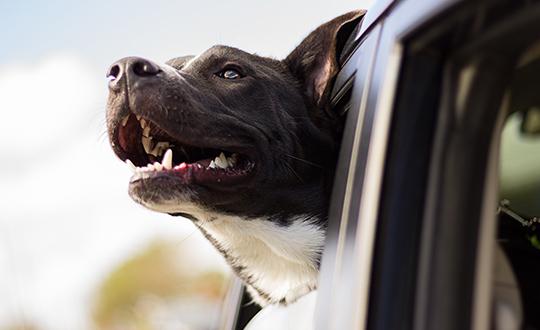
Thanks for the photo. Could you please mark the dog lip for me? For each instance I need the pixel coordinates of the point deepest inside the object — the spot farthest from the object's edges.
(198, 173)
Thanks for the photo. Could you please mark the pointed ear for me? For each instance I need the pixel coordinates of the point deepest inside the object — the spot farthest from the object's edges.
(314, 62)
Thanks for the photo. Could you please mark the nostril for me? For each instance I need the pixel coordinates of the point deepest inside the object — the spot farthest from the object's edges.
(145, 69)
(113, 72)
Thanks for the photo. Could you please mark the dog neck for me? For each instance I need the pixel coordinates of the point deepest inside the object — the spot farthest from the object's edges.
(278, 262)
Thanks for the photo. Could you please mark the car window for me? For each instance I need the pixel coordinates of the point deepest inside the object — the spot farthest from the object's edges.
(520, 142)
(519, 181)
(520, 164)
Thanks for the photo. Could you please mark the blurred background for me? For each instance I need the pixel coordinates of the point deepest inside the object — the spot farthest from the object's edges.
(75, 251)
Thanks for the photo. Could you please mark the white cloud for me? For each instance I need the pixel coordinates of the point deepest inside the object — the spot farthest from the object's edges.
(65, 217)
(41, 102)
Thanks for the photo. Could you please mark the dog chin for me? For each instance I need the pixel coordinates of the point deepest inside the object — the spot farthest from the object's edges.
(177, 208)
(162, 194)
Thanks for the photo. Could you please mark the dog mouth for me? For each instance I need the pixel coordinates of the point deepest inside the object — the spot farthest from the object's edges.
(150, 152)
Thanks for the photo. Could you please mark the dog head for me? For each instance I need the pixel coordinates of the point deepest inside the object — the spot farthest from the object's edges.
(247, 135)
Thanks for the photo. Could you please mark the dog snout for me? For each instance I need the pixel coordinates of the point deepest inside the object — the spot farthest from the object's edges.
(131, 71)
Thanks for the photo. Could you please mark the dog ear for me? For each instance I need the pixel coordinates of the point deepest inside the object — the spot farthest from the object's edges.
(314, 62)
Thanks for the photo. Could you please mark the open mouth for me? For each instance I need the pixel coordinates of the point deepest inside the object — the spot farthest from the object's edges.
(150, 152)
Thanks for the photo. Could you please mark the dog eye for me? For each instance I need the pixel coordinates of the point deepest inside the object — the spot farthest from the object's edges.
(230, 74)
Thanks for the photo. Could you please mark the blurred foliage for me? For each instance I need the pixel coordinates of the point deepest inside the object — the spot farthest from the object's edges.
(21, 326)
(144, 285)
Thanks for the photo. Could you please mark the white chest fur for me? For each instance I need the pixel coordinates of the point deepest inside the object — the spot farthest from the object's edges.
(280, 262)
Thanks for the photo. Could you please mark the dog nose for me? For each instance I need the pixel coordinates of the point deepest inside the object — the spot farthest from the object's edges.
(131, 70)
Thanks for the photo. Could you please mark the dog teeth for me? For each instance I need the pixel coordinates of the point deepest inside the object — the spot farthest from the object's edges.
(146, 131)
(151, 148)
(163, 148)
(159, 148)
(167, 159)
(166, 164)
(125, 120)
(132, 168)
(147, 144)
(221, 161)
(233, 159)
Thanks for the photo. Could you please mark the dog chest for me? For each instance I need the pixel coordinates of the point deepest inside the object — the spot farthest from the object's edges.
(279, 261)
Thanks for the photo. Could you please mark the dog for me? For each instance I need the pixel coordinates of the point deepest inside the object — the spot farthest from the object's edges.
(244, 146)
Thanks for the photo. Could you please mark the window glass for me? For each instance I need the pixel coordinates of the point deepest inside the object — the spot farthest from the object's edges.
(520, 144)
(520, 162)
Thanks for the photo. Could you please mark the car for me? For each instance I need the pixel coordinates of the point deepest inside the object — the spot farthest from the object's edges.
(432, 219)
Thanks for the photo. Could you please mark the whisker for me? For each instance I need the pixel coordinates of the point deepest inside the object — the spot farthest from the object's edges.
(292, 169)
(199, 226)
(102, 137)
(163, 107)
(307, 162)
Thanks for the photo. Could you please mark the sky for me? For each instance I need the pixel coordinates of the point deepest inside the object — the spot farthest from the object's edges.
(65, 217)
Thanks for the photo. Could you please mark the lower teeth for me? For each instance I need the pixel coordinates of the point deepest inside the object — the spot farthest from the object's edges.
(166, 163)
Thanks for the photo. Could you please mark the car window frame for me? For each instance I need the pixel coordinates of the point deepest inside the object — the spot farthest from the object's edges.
(336, 308)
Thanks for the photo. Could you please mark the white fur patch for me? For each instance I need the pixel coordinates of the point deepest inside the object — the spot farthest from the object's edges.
(280, 261)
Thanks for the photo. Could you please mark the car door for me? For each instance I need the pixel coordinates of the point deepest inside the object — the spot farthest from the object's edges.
(412, 240)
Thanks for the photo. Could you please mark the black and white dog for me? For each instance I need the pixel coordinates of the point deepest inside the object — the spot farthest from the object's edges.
(244, 146)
